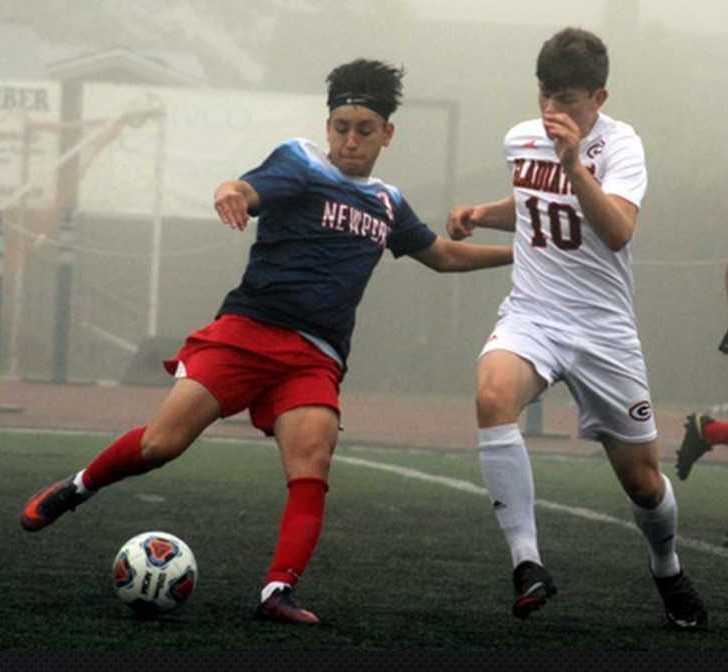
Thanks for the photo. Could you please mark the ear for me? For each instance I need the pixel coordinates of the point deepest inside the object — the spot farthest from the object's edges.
(601, 96)
(388, 133)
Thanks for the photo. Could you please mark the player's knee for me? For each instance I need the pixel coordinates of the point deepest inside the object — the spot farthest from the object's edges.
(493, 405)
(319, 457)
(644, 487)
(310, 458)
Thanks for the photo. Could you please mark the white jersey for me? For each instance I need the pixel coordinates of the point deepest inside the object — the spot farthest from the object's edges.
(564, 275)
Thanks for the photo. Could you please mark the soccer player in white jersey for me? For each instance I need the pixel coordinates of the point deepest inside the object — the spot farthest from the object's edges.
(578, 178)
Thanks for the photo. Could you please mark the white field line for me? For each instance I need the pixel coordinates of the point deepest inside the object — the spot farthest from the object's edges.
(454, 483)
(578, 511)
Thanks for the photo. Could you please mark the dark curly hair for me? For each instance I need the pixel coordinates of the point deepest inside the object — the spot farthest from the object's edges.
(573, 58)
(374, 84)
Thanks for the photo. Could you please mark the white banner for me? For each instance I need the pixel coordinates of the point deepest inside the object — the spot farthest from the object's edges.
(180, 144)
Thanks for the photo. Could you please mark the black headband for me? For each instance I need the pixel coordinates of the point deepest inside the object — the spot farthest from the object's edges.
(364, 99)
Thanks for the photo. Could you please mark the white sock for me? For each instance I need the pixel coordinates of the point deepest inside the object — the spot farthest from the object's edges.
(269, 589)
(506, 471)
(659, 525)
(81, 489)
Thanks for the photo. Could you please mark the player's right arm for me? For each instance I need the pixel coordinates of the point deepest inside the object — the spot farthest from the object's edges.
(233, 201)
(500, 215)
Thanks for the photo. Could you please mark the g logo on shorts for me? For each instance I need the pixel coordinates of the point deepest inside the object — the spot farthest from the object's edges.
(641, 411)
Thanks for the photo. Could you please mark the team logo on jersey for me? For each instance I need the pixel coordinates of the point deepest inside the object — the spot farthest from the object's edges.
(641, 411)
(383, 196)
(595, 149)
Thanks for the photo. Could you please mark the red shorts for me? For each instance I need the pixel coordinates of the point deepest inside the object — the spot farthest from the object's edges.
(269, 370)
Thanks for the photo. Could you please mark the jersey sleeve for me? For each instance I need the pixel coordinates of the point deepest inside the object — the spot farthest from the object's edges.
(626, 172)
(282, 175)
(410, 235)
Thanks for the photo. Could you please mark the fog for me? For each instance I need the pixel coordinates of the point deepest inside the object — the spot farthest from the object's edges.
(111, 246)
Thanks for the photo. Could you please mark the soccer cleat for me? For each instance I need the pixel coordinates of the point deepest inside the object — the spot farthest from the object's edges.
(683, 607)
(693, 444)
(533, 585)
(281, 607)
(45, 506)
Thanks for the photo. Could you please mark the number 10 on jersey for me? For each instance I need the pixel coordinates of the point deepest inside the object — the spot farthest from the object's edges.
(563, 221)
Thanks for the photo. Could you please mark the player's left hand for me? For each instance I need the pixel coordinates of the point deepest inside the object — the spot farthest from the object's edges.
(565, 133)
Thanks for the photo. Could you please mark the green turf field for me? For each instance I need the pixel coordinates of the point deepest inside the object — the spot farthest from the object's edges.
(410, 556)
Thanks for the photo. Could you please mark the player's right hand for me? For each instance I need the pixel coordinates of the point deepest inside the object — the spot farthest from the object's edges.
(231, 206)
(461, 222)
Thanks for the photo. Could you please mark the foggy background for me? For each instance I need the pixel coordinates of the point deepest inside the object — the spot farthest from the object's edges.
(111, 248)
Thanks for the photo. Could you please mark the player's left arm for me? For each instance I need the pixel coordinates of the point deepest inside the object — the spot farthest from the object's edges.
(449, 256)
(613, 218)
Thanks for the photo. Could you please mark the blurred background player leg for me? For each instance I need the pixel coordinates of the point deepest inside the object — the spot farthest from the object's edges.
(701, 433)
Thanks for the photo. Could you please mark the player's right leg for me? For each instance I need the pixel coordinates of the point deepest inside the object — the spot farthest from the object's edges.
(306, 437)
(506, 383)
(184, 413)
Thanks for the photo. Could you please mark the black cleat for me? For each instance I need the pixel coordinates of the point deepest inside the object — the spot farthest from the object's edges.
(683, 607)
(693, 444)
(533, 585)
(281, 607)
(46, 505)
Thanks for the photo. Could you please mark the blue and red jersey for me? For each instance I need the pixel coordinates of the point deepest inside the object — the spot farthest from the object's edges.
(320, 235)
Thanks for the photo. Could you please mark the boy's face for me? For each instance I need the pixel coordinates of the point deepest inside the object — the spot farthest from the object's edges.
(356, 135)
(579, 103)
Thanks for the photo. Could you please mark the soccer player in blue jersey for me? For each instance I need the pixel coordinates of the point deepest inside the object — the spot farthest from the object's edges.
(279, 344)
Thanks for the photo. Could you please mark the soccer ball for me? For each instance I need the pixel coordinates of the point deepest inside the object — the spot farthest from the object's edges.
(154, 572)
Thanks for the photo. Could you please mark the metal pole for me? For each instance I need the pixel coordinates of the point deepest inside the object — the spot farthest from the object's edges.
(20, 241)
(534, 419)
(64, 277)
(155, 264)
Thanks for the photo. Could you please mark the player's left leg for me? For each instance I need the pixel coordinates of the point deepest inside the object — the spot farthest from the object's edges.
(611, 390)
(655, 511)
(306, 436)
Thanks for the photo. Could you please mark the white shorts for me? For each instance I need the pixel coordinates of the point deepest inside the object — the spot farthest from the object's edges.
(609, 384)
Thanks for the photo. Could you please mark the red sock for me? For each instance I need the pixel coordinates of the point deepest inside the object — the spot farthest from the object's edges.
(120, 459)
(716, 432)
(300, 529)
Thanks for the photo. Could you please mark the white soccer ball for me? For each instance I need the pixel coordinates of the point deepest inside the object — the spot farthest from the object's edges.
(154, 572)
